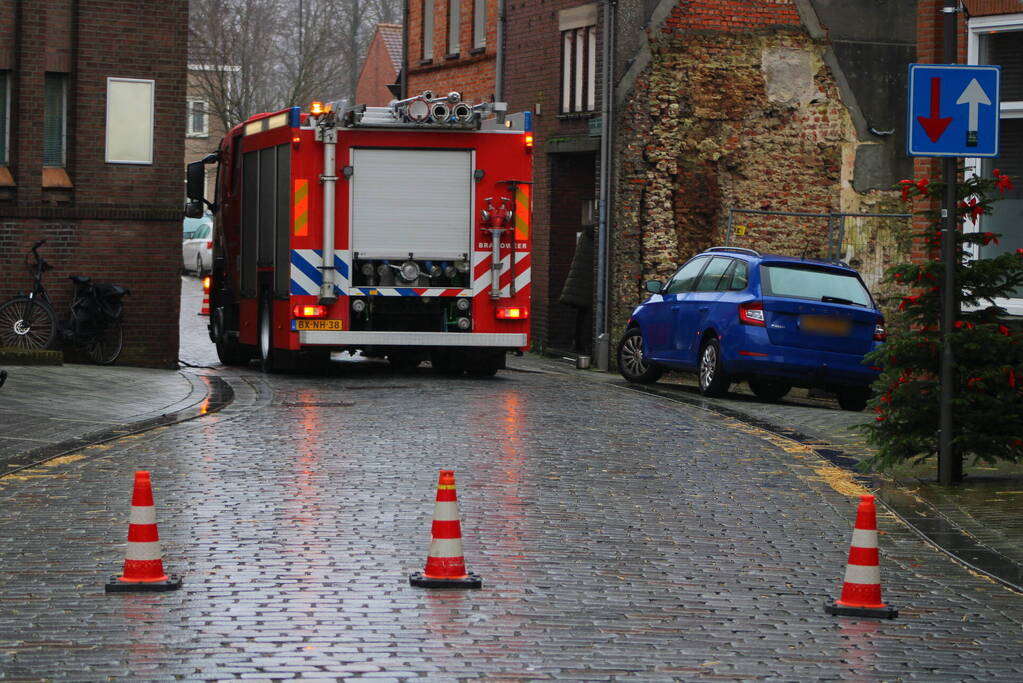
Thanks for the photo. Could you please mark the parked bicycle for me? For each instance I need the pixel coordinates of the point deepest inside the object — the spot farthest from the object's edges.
(27, 321)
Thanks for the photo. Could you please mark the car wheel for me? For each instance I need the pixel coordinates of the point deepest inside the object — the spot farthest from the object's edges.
(768, 389)
(631, 363)
(853, 399)
(713, 380)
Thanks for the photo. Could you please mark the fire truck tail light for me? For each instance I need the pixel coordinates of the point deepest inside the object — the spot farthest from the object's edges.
(512, 313)
(309, 311)
(527, 140)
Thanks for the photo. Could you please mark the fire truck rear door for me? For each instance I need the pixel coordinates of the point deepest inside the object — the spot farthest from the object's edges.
(412, 201)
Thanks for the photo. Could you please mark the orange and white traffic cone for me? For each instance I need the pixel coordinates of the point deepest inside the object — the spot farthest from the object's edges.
(861, 592)
(445, 564)
(143, 567)
(205, 310)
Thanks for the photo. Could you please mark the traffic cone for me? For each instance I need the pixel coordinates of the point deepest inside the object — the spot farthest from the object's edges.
(445, 565)
(205, 310)
(861, 592)
(143, 568)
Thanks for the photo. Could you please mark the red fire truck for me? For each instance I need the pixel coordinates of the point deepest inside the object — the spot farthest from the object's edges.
(400, 232)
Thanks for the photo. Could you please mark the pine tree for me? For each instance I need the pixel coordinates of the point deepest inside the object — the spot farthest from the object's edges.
(987, 404)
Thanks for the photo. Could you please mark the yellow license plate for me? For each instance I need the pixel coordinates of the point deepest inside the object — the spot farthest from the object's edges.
(307, 324)
(818, 324)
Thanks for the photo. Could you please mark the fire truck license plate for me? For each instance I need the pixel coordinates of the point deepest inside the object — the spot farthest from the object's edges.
(318, 325)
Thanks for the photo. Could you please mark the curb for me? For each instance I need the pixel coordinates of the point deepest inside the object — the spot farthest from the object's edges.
(209, 394)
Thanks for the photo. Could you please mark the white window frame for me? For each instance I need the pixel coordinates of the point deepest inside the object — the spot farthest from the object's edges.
(189, 130)
(479, 24)
(454, 26)
(5, 143)
(578, 27)
(428, 12)
(122, 122)
(1013, 109)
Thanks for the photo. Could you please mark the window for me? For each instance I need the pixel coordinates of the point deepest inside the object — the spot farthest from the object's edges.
(130, 121)
(454, 16)
(711, 277)
(198, 119)
(427, 30)
(479, 24)
(999, 40)
(682, 281)
(4, 121)
(578, 59)
(814, 284)
(54, 119)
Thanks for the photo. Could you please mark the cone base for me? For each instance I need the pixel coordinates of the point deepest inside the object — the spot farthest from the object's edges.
(115, 585)
(420, 581)
(886, 612)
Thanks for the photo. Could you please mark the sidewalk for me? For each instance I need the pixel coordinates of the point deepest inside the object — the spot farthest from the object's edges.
(49, 411)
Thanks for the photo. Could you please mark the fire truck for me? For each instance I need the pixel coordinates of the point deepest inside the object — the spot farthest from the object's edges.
(398, 232)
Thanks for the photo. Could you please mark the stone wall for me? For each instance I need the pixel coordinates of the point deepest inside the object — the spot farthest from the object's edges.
(730, 112)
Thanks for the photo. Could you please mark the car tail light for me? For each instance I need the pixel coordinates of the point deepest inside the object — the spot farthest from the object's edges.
(209, 244)
(309, 311)
(880, 333)
(512, 313)
(752, 313)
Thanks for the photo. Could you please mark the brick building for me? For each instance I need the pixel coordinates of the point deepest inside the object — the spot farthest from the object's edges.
(203, 129)
(452, 45)
(91, 143)
(381, 67)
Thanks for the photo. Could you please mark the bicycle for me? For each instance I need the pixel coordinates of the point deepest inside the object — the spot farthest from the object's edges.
(28, 321)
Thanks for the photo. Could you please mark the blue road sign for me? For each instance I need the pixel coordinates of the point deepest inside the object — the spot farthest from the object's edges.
(953, 110)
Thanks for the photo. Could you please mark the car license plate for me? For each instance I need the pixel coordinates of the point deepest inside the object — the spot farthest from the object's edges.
(826, 325)
(307, 324)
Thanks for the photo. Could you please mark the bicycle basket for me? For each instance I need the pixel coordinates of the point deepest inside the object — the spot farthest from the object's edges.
(108, 298)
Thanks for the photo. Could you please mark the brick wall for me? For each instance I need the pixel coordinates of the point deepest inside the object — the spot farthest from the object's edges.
(710, 126)
(469, 71)
(118, 222)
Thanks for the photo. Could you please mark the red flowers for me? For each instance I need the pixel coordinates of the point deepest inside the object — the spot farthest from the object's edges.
(908, 186)
(1002, 181)
(974, 208)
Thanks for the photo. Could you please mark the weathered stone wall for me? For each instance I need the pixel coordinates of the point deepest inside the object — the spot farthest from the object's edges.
(729, 116)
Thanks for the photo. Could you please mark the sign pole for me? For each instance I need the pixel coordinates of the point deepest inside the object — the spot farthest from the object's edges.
(950, 465)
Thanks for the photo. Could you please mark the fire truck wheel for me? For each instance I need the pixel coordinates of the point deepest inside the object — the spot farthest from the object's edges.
(267, 354)
(485, 365)
(446, 363)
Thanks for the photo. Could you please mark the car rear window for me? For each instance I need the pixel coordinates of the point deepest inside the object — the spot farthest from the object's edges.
(818, 284)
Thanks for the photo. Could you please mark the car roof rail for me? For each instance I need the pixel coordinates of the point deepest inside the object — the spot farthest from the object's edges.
(741, 250)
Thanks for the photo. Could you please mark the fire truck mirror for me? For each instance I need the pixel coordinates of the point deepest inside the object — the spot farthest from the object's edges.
(194, 209)
(195, 182)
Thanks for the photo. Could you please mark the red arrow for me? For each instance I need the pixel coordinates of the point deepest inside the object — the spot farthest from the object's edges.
(934, 125)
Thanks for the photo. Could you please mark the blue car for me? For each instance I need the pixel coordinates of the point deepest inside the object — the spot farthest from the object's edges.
(777, 322)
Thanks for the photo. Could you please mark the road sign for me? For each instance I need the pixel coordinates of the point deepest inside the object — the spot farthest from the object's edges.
(953, 110)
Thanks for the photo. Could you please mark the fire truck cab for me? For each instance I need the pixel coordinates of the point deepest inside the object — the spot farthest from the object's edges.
(400, 232)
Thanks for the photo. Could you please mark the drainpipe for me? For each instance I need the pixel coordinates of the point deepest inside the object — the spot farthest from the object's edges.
(602, 347)
(499, 62)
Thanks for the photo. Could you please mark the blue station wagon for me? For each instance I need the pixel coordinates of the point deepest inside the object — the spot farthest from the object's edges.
(732, 314)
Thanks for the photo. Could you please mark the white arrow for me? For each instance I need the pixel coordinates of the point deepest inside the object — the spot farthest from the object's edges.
(974, 96)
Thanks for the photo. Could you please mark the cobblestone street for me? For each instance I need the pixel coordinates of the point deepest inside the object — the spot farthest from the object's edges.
(620, 537)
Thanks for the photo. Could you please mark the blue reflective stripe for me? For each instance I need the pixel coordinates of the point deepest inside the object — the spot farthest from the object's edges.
(340, 266)
(297, 288)
(404, 291)
(308, 269)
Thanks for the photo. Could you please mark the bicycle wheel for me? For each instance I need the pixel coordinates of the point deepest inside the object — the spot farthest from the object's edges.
(105, 347)
(27, 324)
